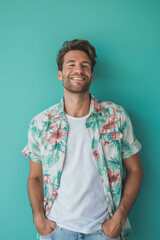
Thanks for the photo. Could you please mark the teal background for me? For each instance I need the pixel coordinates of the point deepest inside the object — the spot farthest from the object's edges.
(126, 35)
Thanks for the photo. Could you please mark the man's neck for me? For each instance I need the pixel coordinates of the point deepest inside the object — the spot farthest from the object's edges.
(76, 104)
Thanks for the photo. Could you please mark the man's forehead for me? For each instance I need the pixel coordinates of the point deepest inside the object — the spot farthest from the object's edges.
(76, 55)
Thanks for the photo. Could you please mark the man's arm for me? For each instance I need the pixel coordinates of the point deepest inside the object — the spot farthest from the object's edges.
(35, 190)
(134, 174)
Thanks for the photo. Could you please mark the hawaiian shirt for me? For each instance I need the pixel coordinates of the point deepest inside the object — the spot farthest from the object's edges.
(112, 139)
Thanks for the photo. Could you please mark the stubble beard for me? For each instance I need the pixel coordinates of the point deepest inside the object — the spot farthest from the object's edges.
(69, 86)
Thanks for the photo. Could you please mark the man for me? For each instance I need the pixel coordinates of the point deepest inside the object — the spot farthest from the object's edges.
(77, 151)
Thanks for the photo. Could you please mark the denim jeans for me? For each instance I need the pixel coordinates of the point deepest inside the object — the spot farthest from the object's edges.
(60, 233)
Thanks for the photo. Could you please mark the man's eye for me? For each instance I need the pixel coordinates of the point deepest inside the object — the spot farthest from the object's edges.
(71, 65)
(84, 66)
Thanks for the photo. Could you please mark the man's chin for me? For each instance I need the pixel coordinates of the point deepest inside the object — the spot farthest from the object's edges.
(76, 90)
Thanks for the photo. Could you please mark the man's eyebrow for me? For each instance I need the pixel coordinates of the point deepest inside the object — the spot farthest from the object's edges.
(70, 61)
(75, 61)
(85, 62)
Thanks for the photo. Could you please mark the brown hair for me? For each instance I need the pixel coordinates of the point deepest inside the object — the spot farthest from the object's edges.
(76, 44)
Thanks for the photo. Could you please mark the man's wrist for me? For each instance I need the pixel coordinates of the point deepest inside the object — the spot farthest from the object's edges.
(38, 216)
(120, 215)
(38, 212)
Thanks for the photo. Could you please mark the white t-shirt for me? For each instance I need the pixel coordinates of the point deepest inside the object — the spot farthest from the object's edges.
(80, 205)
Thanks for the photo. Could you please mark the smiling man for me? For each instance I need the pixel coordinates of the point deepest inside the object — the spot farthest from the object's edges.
(75, 80)
(77, 151)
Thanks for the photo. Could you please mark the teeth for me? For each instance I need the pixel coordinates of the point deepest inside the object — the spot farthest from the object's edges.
(77, 78)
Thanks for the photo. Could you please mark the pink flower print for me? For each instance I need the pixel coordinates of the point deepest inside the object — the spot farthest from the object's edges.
(110, 124)
(25, 152)
(114, 113)
(108, 143)
(99, 108)
(95, 154)
(108, 113)
(53, 125)
(119, 108)
(107, 126)
(116, 136)
(113, 178)
(54, 137)
(119, 119)
(49, 116)
(39, 145)
(57, 118)
(57, 135)
(94, 102)
(48, 138)
(96, 106)
(54, 194)
(47, 180)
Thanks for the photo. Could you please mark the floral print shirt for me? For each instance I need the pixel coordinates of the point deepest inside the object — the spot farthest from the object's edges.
(112, 139)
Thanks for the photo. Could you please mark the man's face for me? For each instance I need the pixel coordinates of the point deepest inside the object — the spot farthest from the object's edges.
(76, 73)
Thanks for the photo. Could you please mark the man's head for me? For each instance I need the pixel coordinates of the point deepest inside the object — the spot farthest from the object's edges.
(76, 44)
(76, 61)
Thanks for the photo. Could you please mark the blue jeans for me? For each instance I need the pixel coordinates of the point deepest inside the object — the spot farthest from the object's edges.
(60, 233)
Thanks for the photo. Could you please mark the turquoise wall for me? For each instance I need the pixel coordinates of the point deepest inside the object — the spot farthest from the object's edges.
(126, 35)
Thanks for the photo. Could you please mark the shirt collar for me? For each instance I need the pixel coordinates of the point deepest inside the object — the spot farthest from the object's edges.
(94, 107)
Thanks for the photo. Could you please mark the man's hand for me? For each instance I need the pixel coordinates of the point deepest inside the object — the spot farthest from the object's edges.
(112, 227)
(44, 226)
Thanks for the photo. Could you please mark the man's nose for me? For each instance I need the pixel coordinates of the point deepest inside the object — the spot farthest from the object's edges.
(79, 69)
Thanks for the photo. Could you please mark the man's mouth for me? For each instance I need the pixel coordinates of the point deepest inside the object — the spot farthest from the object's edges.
(77, 78)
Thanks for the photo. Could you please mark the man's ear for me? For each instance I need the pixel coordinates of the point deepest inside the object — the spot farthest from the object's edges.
(59, 75)
(92, 77)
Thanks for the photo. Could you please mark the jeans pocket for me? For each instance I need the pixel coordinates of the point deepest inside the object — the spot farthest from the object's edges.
(105, 236)
(49, 235)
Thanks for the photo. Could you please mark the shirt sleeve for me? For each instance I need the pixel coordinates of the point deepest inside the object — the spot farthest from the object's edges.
(130, 145)
(32, 151)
